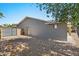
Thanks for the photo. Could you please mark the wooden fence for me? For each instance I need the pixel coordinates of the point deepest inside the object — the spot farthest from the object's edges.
(4, 32)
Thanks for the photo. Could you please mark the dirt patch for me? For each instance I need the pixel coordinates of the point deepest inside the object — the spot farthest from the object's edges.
(37, 47)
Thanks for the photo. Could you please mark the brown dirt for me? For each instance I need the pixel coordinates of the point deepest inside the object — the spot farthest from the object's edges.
(37, 47)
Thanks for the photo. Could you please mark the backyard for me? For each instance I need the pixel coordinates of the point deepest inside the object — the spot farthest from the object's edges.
(37, 47)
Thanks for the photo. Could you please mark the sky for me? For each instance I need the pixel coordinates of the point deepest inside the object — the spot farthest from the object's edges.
(15, 12)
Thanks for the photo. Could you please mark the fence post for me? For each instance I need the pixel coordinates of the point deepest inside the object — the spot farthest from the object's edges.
(1, 34)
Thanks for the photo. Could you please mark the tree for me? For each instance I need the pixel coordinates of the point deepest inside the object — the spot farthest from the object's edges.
(1, 15)
(62, 12)
(9, 25)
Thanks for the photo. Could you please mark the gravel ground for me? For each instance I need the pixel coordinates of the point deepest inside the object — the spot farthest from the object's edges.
(37, 47)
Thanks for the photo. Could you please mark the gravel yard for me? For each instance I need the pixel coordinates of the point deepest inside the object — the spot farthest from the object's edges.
(37, 47)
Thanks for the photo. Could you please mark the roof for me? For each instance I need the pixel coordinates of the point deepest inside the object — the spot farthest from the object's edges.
(32, 19)
(52, 22)
(45, 22)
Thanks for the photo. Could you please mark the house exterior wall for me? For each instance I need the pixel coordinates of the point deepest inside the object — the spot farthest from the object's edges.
(40, 29)
(60, 32)
(18, 31)
(35, 28)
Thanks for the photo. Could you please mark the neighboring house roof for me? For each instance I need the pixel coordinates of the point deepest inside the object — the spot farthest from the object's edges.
(32, 19)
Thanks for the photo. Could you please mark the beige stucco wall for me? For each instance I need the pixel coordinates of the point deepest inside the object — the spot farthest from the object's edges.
(40, 29)
(35, 28)
(18, 31)
(60, 32)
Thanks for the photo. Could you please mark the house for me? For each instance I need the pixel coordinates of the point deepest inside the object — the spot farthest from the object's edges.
(37, 28)
(43, 29)
(58, 30)
(34, 27)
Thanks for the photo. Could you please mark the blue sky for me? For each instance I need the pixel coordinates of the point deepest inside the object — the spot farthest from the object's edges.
(15, 12)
